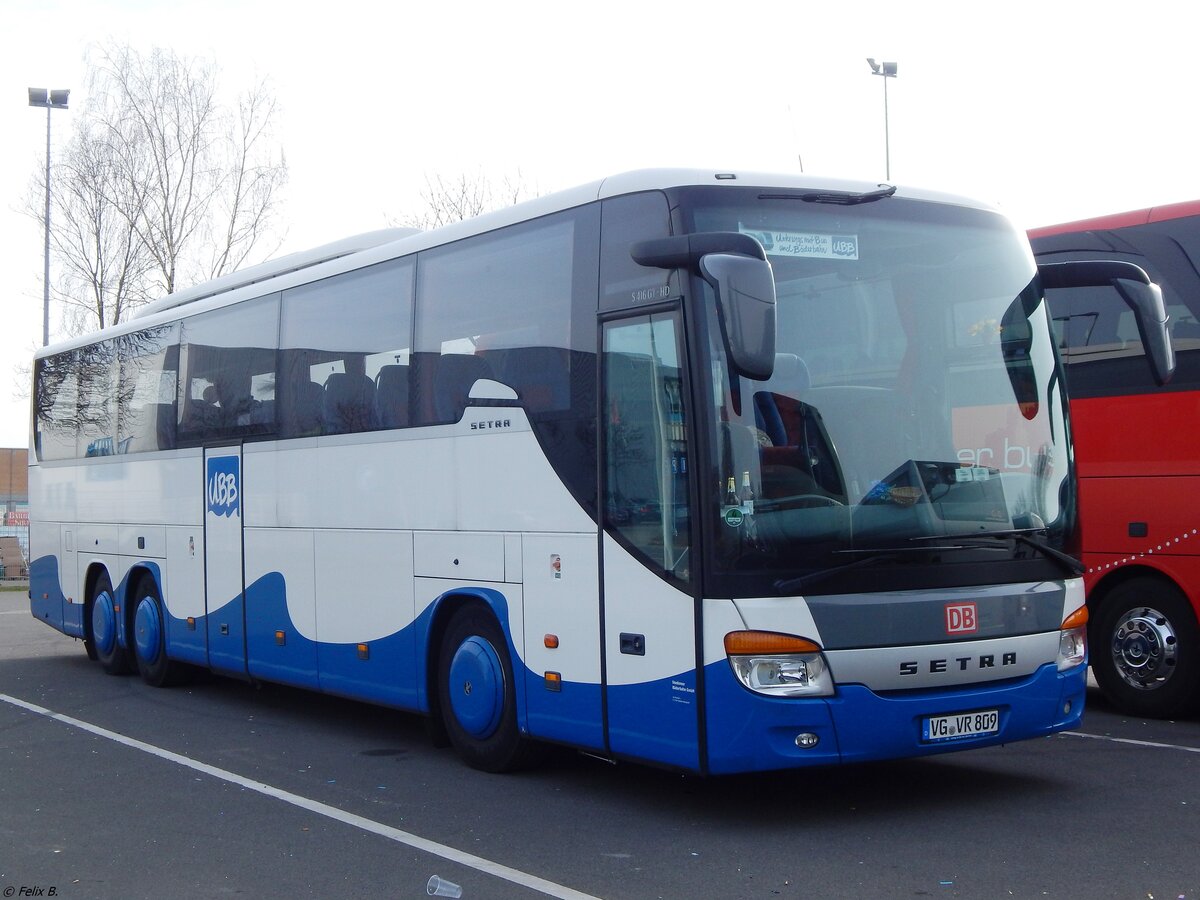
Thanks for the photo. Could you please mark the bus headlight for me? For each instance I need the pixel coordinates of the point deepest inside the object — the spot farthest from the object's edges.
(778, 665)
(1072, 640)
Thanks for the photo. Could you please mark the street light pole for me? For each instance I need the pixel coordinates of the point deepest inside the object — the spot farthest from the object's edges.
(55, 99)
(885, 70)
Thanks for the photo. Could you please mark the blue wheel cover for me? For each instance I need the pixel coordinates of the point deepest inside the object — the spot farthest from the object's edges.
(104, 624)
(147, 627)
(477, 687)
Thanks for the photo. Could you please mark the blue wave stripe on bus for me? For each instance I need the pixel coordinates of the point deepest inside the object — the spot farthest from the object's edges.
(393, 674)
(46, 598)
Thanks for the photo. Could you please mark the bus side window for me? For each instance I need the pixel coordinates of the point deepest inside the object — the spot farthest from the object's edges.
(228, 359)
(146, 389)
(97, 396)
(646, 489)
(56, 405)
(1099, 342)
(336, 337)
(486, 303)
(626, 220)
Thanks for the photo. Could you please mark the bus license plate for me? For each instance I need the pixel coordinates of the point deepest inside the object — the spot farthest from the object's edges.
(960, 725)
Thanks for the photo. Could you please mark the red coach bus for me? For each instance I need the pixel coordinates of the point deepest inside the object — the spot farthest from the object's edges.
(1137, 444)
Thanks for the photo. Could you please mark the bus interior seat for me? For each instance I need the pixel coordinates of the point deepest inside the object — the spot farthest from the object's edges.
(1182, 330)
(452, 381)
(790, 379)
(539, 375)
(391, 395)
(634, 484)
(801, 458)
(303, 410)
(162, 415)
(863, 420)
(349, 403)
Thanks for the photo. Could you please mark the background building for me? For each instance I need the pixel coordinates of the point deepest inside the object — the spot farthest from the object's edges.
(14, 503)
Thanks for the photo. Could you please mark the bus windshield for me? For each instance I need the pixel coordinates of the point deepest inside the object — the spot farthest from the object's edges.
(915, 414)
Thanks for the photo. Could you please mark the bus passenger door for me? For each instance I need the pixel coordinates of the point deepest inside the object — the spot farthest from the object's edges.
(225, 605)
(650, 677)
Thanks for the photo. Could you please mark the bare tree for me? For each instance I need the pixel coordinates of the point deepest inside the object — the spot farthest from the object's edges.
(453, 198)
(162, 185)
(103, 265)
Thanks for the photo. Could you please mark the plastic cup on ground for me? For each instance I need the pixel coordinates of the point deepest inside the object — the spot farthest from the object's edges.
(440, 887)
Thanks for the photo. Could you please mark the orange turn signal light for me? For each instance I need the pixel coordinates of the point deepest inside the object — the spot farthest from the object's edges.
(766, 643)
(1076, 619)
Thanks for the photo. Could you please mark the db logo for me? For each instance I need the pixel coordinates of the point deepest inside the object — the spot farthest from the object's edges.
(221, 488)
(961, 618)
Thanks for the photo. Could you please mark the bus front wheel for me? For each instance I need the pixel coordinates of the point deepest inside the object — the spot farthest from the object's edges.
(477, 693)
(1145, 649)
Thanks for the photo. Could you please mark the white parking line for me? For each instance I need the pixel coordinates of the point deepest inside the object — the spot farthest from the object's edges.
(450, 854)
(1116, 740)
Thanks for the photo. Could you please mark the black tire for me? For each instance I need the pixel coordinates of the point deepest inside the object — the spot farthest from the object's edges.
(1145, 649)
(100, 628)
(150, 636)
(477, 694)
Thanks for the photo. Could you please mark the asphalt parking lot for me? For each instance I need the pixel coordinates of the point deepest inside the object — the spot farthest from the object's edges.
(113, 788)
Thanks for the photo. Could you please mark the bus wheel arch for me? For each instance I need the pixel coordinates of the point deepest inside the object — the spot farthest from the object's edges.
(89, 639)
(1144, 644)
(475, 688)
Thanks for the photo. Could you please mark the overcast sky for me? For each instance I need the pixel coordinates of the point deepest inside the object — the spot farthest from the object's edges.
(1051, 110)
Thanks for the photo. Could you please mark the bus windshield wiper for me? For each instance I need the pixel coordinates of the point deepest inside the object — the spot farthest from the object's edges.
(1023, 536)
(872, 556)
(850, 198)
(841, 198)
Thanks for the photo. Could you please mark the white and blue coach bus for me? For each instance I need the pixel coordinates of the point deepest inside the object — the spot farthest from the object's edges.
(716, 471)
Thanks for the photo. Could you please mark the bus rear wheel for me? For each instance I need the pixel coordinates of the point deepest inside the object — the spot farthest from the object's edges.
(102, 613)
(150, 637)
(1146, 649)
(477, 693)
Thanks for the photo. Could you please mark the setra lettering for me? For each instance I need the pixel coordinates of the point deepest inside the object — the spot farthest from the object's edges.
(960, 664)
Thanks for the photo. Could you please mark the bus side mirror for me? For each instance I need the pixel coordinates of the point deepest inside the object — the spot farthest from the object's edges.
(745, 289)
(1146, 301)
(1134, 286)
(736, 266)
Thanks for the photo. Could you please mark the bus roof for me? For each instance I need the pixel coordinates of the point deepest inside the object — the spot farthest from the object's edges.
(1122, 220)
(376, 246)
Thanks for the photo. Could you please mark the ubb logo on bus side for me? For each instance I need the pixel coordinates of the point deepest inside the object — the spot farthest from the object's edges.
(222, 486)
